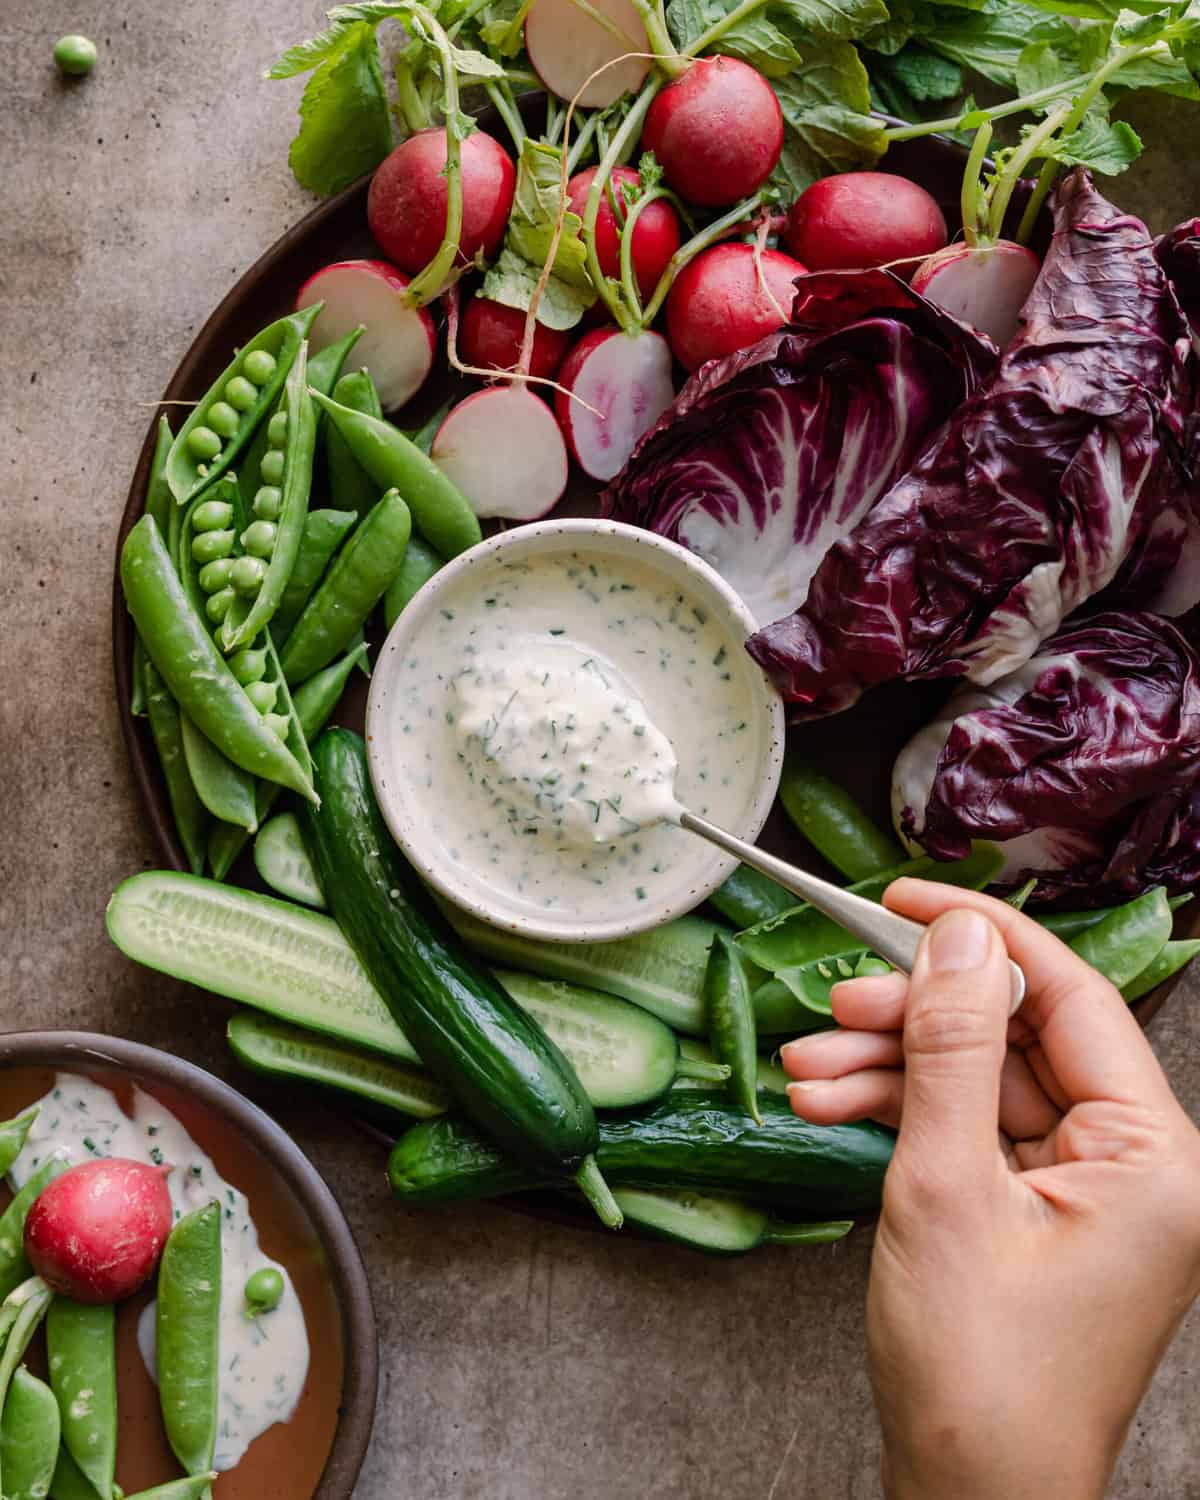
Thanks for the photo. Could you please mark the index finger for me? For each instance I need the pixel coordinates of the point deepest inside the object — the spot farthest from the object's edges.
(1094, 1045)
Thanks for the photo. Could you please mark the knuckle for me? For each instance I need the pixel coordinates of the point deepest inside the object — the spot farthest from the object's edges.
(948, 1023)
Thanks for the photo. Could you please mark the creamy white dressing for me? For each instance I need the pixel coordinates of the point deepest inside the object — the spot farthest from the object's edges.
(550, 713)
(263, 1362)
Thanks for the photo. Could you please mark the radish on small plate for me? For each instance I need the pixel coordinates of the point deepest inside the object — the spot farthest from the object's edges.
(503, 449)
(566, 46)
(627, 380)
(491, 333)
(983, 285)
(400, 341)
(718, 303)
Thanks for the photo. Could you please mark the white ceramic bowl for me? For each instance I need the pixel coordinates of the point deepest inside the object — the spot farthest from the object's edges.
(398, 778)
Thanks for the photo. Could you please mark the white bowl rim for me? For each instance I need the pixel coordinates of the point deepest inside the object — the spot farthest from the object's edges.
(407, 834)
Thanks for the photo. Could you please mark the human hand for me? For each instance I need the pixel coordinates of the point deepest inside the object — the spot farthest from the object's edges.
(1024, 1286)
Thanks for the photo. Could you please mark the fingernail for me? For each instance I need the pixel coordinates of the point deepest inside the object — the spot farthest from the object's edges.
(808, 1086)
(958, 940)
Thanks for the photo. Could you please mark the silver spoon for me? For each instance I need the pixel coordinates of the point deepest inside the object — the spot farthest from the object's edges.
(893, 937)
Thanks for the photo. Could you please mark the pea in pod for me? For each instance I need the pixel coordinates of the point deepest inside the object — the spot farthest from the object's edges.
(834, 824)
(350, 488)
(29, 1438)
(14, 1268)
(81, 1347)
(420, 563)
(1171, 957)
(188, 1320)
(1128, 939)
(731, 1027)
(224, 419)
(439, 508)
(324, 532)
(13, 1135)
(166, 727)
(351, 589)
(198, 678)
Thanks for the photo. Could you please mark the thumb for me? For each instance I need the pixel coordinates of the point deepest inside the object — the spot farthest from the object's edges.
(955, 1039)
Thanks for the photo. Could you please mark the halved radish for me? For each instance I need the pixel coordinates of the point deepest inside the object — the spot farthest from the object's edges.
(566, 47)
(400, 341)
(628, 381)
(491, 333)
(503, 449)
(986, 286)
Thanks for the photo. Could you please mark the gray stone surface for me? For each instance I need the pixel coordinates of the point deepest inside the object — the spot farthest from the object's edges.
(523, 1361)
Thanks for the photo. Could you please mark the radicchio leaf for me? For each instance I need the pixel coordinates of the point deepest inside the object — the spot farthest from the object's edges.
(1044, 483)
(769, 456)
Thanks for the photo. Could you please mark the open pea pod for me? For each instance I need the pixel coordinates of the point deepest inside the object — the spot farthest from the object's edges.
(1128, 939)
(13, 1135)
(224, 419)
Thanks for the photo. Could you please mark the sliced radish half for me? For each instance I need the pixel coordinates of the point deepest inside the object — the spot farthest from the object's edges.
(628, 381)
(503, 449)
(985, 287)
(566, 47)
(400, 341)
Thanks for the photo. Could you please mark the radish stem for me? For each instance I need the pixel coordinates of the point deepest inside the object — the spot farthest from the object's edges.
(972, 217)
(1002, 188)
(500, 93)
(581, 143)
(996, 112)
(667, 58)
(726, 23)
(412, 106)
(628, 281)
(429, 283)
(715, 231)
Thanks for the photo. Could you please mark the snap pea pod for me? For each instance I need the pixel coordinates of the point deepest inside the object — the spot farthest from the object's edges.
(225, 417)
(23, 1310)
(69, 1481)
(799, 999)
(1171, 957)
(833, 823)
(777, 1011)
(28, 1438)
(13, 1135)
(730, 1015)
(225, 790)
(324, 531)
(166, 728)
(137, 681)
(350, 487)
(188, 1320)
(314, 701)
(159, 504)
(420, 563)
(439, 508)
(350, 590)
(14, 1268)
(1128, 939)
(1069, 924)
(200, 681)
(81, 1349)
(747, 898)
(768, 1076)
(326, 365)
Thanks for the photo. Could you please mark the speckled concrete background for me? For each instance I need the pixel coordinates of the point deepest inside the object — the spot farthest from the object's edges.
(522, 1361)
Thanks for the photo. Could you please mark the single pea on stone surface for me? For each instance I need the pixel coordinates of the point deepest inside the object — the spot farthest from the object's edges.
(264, 1291)
(75, 55)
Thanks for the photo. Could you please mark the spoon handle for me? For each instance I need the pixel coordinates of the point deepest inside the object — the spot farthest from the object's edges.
(893, 937)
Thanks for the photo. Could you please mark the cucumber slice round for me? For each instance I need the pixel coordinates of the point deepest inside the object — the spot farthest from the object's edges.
(283, 863)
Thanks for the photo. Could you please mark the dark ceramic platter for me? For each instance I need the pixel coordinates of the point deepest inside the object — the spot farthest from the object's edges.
(857, 747)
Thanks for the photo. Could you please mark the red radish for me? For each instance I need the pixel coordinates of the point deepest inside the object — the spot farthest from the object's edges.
(503, 449)
(406, 205)
(717, 131)
(95, 1234)
(717, 304)
(863, 219)
(566, 46)
(400, 341)
(628, 380)
(986, 286)
(655, 235)
(490, 335)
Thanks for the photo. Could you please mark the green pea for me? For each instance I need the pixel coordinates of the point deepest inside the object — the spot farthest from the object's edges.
(259, 366)
(75, 55)
(223, 418)
(217, 605)
(277, 429)
(279, 723)
(210, 545)
(259, 538)
(215, 575)
(248, 665)
(263, 695)
(212, 515)
(264, 1291)
(271, 467)
(247, 576)
(240, 394)
(204, 442)
(268, 501)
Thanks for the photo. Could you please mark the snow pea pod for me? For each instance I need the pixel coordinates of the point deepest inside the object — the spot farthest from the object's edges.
(81, 1348)
(188, 1319)
(1171, 957)
(439, 508)
(324, 532)
(351, 589)
(166, 728)
(13, 1135)
(28, 1438)
(159, 504)
(420, 563)
(69, 1482)
(186, 657)
(194, 1487)
(1069, 924)
(225, 417)
(22, 1311)
(14, 1268)
(224, 790)
(731, 1027)
(747, 898)
(833, 823)
(350, 487)
(1128, 939)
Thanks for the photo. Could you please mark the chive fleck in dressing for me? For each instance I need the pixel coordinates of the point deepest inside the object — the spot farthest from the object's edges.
(551, 714)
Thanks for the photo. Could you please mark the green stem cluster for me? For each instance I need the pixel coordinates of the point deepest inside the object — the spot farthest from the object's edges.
(427, 284)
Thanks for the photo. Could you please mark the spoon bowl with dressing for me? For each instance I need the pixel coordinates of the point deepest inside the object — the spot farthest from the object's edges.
(541, 710)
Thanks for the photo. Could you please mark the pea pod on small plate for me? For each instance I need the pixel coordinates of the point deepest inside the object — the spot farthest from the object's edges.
(188, 1323)
(81, 1351)
(29, 1433)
